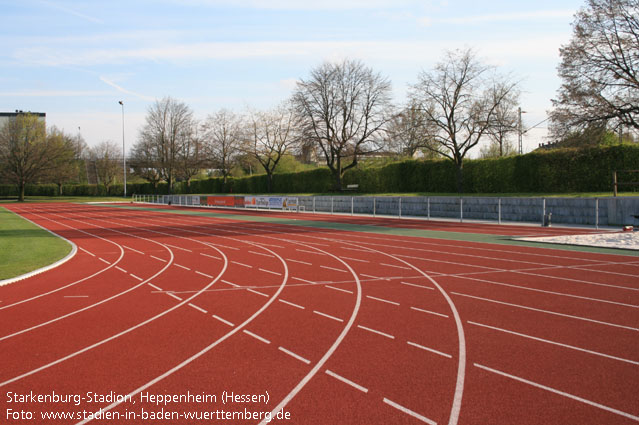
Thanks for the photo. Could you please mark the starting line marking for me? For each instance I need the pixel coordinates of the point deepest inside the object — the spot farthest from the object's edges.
(333, 268)
(259, 338)
(382, 300)
(158, 258)
(242, 264)
(204, 274)
(397, 267)
(291, 304)
(198, 308)
(153, 286)
(292, 354)
(298, 261)
(429, 349)
(429, 312)
(417, 286)
(174, 296)
(346, 381)
(76, 296)
(409, 412)
(269, 271)
(257, 292)
(90, 253)
(103, 260)
(210, 256)
(230, 283)
(226, 322)
(376, 332)
(180, 266)
(552, 390)
(178, 247)
(261, 253)
(136, 277)
(134, 250)
(339, 289)
(355, 259)
(121, 269)
(328, 316)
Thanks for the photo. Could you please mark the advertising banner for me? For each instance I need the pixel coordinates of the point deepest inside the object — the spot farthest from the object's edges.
(275, 202)
(220, 201)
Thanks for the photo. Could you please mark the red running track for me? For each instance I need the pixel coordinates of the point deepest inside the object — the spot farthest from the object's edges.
(323, 326)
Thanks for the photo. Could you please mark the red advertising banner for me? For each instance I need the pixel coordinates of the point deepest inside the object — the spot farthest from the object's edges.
(220, 201)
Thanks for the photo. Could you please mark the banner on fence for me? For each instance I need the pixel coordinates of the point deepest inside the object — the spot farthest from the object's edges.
(220, 201)
(290, 203)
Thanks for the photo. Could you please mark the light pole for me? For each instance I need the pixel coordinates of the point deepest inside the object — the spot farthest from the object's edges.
(123, 151)
(520, 130)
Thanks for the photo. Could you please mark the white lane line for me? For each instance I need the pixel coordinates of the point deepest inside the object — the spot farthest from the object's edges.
(90, 253)
(292, 354)
(230, 283)
(204, 274)
(292, 304)
(572, 347)
(335, 269)
(180, 266)
(339, 289)
(555, 391)
(134, 250)
(257, 292)
(173, 295)
(259, 338)
(262, 254)
(356, 249)
(223, 246)
(310, 252)
(354, 259)
(382, 300)
(158, 258)
(374, 277)
(198, 308)
(178, 247)
(346, 381)
(429, 312)
(242, 264)
(76, 296)
(417, 286)
(376, 332)
(393, 265)
(298, 261)
(103, 260)
(409, 412)
(153, 286)
(269, 271)
(304, 280)
(136, 277)
(554, 313)
(210, 256)
(121, 269)
(328, 316)
(432, 350)
(226, 322)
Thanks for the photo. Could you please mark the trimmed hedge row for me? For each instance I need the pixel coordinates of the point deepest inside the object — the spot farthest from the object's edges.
(554, 171)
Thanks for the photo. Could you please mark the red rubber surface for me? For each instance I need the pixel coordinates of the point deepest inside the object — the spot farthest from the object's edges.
(337, 327)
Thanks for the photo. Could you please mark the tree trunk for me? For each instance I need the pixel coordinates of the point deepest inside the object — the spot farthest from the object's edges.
(269, 182)
(59, 189)
(460, 178)
(21, 194)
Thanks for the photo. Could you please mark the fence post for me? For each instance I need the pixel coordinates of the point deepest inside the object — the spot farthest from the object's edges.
(614, 183)
(543, 212)
(331, 205)
(461, 210)
(313, 205)
(428, 207)
(499, 211)
(596, 213)
(351, 205)
(400, 207)
(374, 207)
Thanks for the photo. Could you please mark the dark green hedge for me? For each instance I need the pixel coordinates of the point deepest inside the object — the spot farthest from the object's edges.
(553, 171)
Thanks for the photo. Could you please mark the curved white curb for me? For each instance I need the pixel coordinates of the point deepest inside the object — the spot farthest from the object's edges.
(74, 250)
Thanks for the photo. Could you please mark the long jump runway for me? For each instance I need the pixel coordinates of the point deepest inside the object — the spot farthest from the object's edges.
(197, 317)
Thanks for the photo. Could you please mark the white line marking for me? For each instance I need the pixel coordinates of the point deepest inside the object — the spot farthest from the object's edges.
(158, 258)
(204, 274)
(103, 260)
(310, 252)
(346, 381)
(180, 266)
(409, 412)
(333, 268)
(76, 296)
(552, 390)
(178, 247)
(292, 354)
(548, 312)
(224, 246)
(572, 347)
(432, 350)
(328, 315)
(397, 267)
(382, 300)
(136, 277)
(259, 338)
(355, 259)
(374, 277)
(242, 264)
(230, 283)
(121, 269)
(356, 249)
(257, 292)
(262, 254)
(429, 312)
(210, 256)
(304, 280)
(298, 261)
(173, 295)
(226, 322)
(153, 286)
(134, 250)
(271, 272)
(376, 332)
(339, 289)
(198, 308)
(90, 253)
(417, 286)
(291, 304)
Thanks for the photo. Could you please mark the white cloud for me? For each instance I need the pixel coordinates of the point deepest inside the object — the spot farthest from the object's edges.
(71, 12)
(125, 91)
(305, 4)
(55, 93)
(501, 17)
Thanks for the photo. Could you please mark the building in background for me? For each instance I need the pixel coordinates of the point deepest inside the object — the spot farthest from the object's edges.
(6, 116)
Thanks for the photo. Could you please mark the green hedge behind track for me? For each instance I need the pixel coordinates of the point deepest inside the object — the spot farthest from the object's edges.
(553, 171)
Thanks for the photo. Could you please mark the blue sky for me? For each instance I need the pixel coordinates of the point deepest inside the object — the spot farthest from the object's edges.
(75, 60)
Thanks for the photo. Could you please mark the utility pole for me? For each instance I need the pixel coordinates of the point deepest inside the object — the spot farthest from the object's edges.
(123, 151)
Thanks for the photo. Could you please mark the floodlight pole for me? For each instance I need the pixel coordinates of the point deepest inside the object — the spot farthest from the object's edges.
(123, 148)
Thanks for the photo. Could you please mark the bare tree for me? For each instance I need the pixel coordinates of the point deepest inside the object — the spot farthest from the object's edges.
(223, 136)
(505, 120)
(66, 166)
(107, 156)
(26, 153)
(410, 131)
(272, 135)
(191, 156)
(599, 69)
(457, 98)
(343, 109)
(167, 129)
(145, 161)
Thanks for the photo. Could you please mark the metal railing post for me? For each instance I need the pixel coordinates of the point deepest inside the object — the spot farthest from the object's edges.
(461, 210)
(596, 213)
(374, 207)
(499, 211)
(351, 205)
(400, 207)
(428, 207)
(543, 212)
(331, 205)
